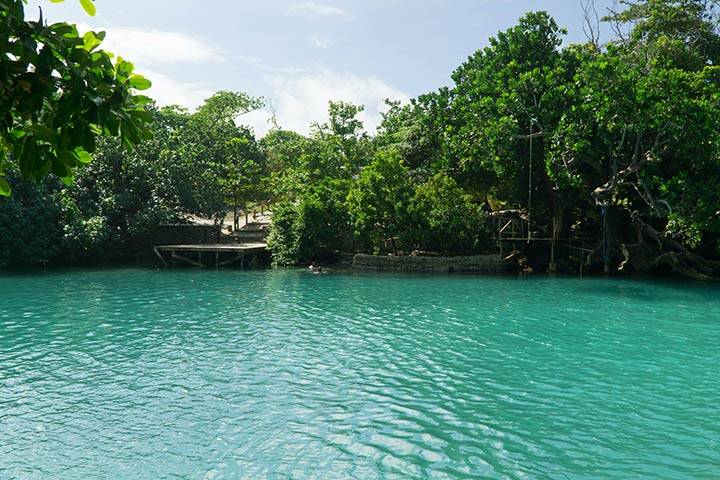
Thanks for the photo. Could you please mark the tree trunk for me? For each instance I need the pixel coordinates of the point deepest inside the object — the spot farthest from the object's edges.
(557, 220)
(655, 248)
(556, 212)
(394, 246)
(236, 218)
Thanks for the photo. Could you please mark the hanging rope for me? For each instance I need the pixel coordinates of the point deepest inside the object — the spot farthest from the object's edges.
(530, 180)
(603, 212)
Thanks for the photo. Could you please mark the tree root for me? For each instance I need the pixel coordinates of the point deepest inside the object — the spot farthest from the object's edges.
(655, 248)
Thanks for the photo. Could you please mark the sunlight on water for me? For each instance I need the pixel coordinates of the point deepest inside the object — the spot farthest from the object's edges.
(135, 374)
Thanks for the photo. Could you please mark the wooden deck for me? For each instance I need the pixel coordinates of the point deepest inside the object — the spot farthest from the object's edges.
(219, 254)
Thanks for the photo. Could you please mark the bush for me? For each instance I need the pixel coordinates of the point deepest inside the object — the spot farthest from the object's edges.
(313, 227)
(379, 202)
(31, 224)
(448, 220)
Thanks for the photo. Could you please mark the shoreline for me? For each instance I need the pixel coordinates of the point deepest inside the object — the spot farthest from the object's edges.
(344, 267)
(482, 264)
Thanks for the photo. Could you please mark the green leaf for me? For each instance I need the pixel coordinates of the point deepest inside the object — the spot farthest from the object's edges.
(123, 68)
(69, 159)
(82, 156)
(17, 134)
(45, 133)
(138, 82)
(142, 115)
(91, 41)
(59, 168)
(142, 100)
(5, 189)
(63, 28)
(89, 7)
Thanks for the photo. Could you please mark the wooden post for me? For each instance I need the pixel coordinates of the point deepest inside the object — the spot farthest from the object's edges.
(499, 236)
(159, 255)
(217, 260)
(557, 221)
(553, 268)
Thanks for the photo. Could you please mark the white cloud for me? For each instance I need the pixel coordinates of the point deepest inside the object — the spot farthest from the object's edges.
(167, 91)
(313, 9)
(262, 66)
(151, 49)
(300, 101)
(320, 42)
(259, 121)
(156, 46)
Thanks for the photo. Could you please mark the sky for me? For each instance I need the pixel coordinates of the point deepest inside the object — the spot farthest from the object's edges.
(299, 54)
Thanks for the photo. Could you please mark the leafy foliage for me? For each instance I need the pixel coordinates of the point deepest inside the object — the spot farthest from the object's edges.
(448, 219)
(310, 178)
(617, 144)
(215, 159)
(687, 30)
(58, 92)
(313, 227)
(379, 202)
(30, 220)
(117, 201)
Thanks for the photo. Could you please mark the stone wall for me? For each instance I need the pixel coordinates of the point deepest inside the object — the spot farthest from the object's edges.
(474, 264)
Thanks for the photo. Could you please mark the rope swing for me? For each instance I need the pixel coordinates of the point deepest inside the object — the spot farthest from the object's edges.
(530, 180)
(606, 259)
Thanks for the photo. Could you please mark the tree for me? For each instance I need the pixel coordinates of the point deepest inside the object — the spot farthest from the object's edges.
(342, 147)
(379, 201)
(231, 149)
(416, 131)
(215, 160)
(314, 226)
(310, 179)
(284, 151)
(58, 92)
(242, 180)
(507, 101)
(118, 201)
(30, 222)
(686, 30)
(447, 218)
(642, 135)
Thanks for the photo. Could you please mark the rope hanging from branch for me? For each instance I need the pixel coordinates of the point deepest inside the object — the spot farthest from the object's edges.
(530, 181)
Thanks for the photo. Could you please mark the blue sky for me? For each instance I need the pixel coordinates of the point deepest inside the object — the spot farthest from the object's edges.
(299, 54)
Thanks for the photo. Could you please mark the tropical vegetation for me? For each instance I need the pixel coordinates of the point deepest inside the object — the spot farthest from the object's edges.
(615, 144)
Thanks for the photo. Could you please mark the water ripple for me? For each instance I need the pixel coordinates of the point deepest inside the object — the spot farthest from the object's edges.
(133, 374)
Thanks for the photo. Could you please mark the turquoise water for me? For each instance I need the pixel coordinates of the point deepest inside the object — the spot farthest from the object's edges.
(139, 374)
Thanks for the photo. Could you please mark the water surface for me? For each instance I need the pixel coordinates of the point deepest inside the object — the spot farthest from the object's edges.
(139, 374)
